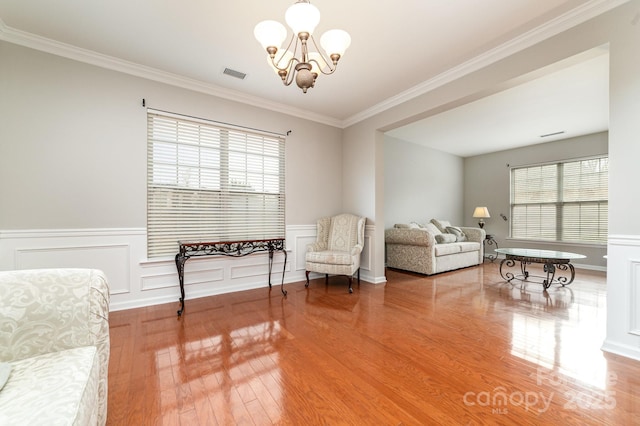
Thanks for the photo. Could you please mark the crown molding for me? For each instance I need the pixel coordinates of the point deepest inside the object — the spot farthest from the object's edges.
(575, 17)
(562, 23)
(68, 51)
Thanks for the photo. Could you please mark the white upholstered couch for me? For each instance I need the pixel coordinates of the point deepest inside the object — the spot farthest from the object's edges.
(54, 338)
(433, 247)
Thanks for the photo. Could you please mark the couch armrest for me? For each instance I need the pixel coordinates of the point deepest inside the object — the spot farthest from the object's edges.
(474, 234)
(409, 236)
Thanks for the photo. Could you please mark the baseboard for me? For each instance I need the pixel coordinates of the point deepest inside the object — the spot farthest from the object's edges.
(622, 350)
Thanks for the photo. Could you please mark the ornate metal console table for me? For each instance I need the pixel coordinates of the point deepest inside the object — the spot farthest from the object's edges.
(228, 248)
(553, 261)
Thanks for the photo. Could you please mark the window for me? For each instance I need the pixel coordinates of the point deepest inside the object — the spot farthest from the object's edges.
(209, 182)
(565, 201)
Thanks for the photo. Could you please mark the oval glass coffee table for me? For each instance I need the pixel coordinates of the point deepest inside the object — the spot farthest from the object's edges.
(552, 261)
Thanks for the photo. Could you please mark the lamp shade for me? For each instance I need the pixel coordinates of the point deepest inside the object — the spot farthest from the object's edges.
(481, 212)
(302, 17)
(270, 33)
(335, 41)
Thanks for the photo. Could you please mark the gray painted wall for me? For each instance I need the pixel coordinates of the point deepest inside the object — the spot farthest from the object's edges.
(73, 145)
(421, 183)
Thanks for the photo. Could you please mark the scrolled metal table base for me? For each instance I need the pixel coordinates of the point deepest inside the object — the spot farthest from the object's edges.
(228, 248)
(550, 267)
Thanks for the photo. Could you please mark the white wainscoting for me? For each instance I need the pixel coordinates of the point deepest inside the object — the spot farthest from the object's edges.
(136, 281)
(623, 296)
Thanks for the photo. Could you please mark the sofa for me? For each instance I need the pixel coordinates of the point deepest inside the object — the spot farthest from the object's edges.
(54, 345)
(433, 247)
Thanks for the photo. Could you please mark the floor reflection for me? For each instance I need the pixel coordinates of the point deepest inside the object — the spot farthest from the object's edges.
(567, 341)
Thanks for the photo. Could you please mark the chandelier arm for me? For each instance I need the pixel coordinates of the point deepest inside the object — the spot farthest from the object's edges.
(275, 62)
(290, 71)
(332, 65)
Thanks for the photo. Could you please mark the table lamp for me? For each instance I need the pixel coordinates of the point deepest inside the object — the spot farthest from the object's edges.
(482, 213)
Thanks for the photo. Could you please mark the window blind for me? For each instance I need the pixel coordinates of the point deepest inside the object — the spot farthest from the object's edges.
(564, 201)
(209, 182)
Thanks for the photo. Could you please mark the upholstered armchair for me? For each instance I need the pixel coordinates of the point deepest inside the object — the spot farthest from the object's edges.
(337, 249)
(54, 341)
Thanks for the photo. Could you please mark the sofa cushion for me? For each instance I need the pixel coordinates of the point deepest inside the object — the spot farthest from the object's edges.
(446, 249)
(460, 236)
(469, 246)
(441, 224)
(445, 238)
(432, 229)
(54, 388)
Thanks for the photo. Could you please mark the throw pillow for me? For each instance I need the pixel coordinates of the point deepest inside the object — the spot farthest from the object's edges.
(445, 238)
(431, 228)
(454, 230)
(441, 224)
(5, 370)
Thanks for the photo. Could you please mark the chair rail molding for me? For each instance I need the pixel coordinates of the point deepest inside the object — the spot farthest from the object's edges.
(137, 281)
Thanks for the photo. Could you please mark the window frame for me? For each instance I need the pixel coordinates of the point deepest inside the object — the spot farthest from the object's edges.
(199, 170)
(562, 234)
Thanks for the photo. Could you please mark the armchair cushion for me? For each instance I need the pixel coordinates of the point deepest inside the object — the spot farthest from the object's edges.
(331, 257)
(5, 370)
(53, 388)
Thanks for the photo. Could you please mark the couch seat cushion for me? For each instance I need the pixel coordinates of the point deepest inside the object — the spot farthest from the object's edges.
(445, 249)
(469, 246)
(58, 388)
(330, 256)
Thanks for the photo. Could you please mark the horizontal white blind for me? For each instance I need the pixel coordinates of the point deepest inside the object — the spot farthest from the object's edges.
(566, 201)
(207, 182)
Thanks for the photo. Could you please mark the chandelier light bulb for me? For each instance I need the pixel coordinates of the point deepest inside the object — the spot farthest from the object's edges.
(302, 17)
(335, 42)
(270, 34)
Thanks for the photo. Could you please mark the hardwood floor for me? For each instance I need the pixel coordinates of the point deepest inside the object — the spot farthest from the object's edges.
(462, 347)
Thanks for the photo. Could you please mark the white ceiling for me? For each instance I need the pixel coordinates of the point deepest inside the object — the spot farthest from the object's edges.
(396, 53)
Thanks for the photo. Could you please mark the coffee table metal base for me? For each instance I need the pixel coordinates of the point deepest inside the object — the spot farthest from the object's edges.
(556, 265)
(549, 267)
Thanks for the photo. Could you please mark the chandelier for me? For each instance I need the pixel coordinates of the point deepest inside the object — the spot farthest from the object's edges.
(302, 57)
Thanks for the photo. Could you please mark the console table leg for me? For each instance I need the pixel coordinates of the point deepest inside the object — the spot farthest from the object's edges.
(284, 268)
(180, 261)
(270, 265)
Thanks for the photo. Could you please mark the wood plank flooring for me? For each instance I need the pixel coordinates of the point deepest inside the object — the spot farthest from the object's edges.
(458, 348)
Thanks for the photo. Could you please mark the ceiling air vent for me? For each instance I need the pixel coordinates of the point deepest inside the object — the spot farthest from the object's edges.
(234, 73)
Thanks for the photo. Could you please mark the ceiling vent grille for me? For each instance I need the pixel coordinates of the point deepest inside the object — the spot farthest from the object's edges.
(234, 73)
